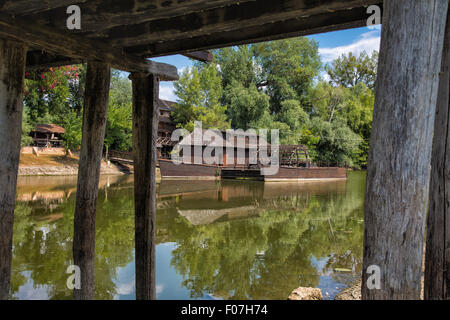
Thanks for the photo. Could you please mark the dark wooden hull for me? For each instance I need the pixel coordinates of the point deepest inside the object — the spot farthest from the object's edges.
(172, 171)
(308, 174)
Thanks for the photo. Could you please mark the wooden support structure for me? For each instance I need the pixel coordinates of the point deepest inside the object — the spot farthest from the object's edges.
(145, 133)
(12, 73)
(132, 29)
(78, 47)
(94, 124)
(399, 161)
(321, 23)
(437, 258)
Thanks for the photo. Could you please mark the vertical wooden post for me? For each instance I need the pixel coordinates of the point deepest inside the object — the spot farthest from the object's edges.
(399, 160)
(145, 133)
(437, 259)
(12, 73)
(94, 123)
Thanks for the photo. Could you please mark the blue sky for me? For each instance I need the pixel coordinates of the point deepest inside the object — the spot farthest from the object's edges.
(331, 46)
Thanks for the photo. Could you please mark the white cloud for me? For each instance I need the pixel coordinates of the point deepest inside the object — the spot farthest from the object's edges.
(368, 42)
(125, 288)
(159, 288)
(167, 92)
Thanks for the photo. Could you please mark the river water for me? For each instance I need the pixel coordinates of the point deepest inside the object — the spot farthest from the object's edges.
(215, 240)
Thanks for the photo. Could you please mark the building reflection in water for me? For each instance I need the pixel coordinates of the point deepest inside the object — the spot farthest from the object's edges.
(226, 240)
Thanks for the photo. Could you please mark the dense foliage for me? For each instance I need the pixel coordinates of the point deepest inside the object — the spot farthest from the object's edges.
(57, 96)
(284, 85)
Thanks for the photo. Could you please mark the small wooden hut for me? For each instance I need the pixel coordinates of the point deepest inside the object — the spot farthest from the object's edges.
(47, 135)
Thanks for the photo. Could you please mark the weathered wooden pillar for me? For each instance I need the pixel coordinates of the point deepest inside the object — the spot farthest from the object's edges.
(12, 73)
(145, 133)
(94, 123)
(399, 160)
(437, 259)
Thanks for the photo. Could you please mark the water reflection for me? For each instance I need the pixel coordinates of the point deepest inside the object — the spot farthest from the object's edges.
(215, 240)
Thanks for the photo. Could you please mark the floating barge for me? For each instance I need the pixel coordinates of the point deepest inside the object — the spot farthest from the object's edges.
(172, 171)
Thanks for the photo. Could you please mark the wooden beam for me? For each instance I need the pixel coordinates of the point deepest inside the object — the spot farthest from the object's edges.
(400, 151)
(12, 72)
(75, 46)
(236, 17)
(101, 15)
(321, 23)
(204, 56)
(145, 133)
(22, 7)
(437, 258)
(94, 124)
(39, 60)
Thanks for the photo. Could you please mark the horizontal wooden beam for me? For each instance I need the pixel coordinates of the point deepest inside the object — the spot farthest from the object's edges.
(101, 15)
(205, 55)
(41, 60)
(22, 7)
(231, 18)
(78, 47)
(38, 60)
(326, 22)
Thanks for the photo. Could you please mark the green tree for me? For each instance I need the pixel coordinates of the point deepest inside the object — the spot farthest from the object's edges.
(337, 144)
(119, 134)
(350, 70)
(26, 140)
(48, 93)
(199, 91)
(245, 105)
(287, 69)
(73, 125)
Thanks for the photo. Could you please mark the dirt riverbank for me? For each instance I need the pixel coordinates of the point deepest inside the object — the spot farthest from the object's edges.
(57, 165)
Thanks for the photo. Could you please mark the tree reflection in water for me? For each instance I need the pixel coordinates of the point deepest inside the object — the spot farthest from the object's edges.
(232, 240)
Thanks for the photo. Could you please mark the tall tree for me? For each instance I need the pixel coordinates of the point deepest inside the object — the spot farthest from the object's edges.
(287, 69)
(245, 105)
(350, 70)
(199, 91)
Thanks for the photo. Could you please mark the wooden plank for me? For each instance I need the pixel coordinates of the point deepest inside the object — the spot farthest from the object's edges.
(38, 60)
(237, 17)
(75, 46)
(94, 124)
(145, 133)
(12, 72)
(204, 56)
(321, 23)
(101, 15)
(437, 255)
(399, 160)
(22, 7)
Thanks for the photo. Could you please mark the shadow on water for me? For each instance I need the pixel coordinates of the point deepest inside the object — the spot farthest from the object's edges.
(215, 240)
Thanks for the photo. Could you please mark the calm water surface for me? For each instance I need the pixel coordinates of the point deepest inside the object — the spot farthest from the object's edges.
(215, 240)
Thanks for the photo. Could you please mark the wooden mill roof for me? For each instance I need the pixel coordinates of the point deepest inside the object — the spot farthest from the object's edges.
(124, 32)
(49, 128)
